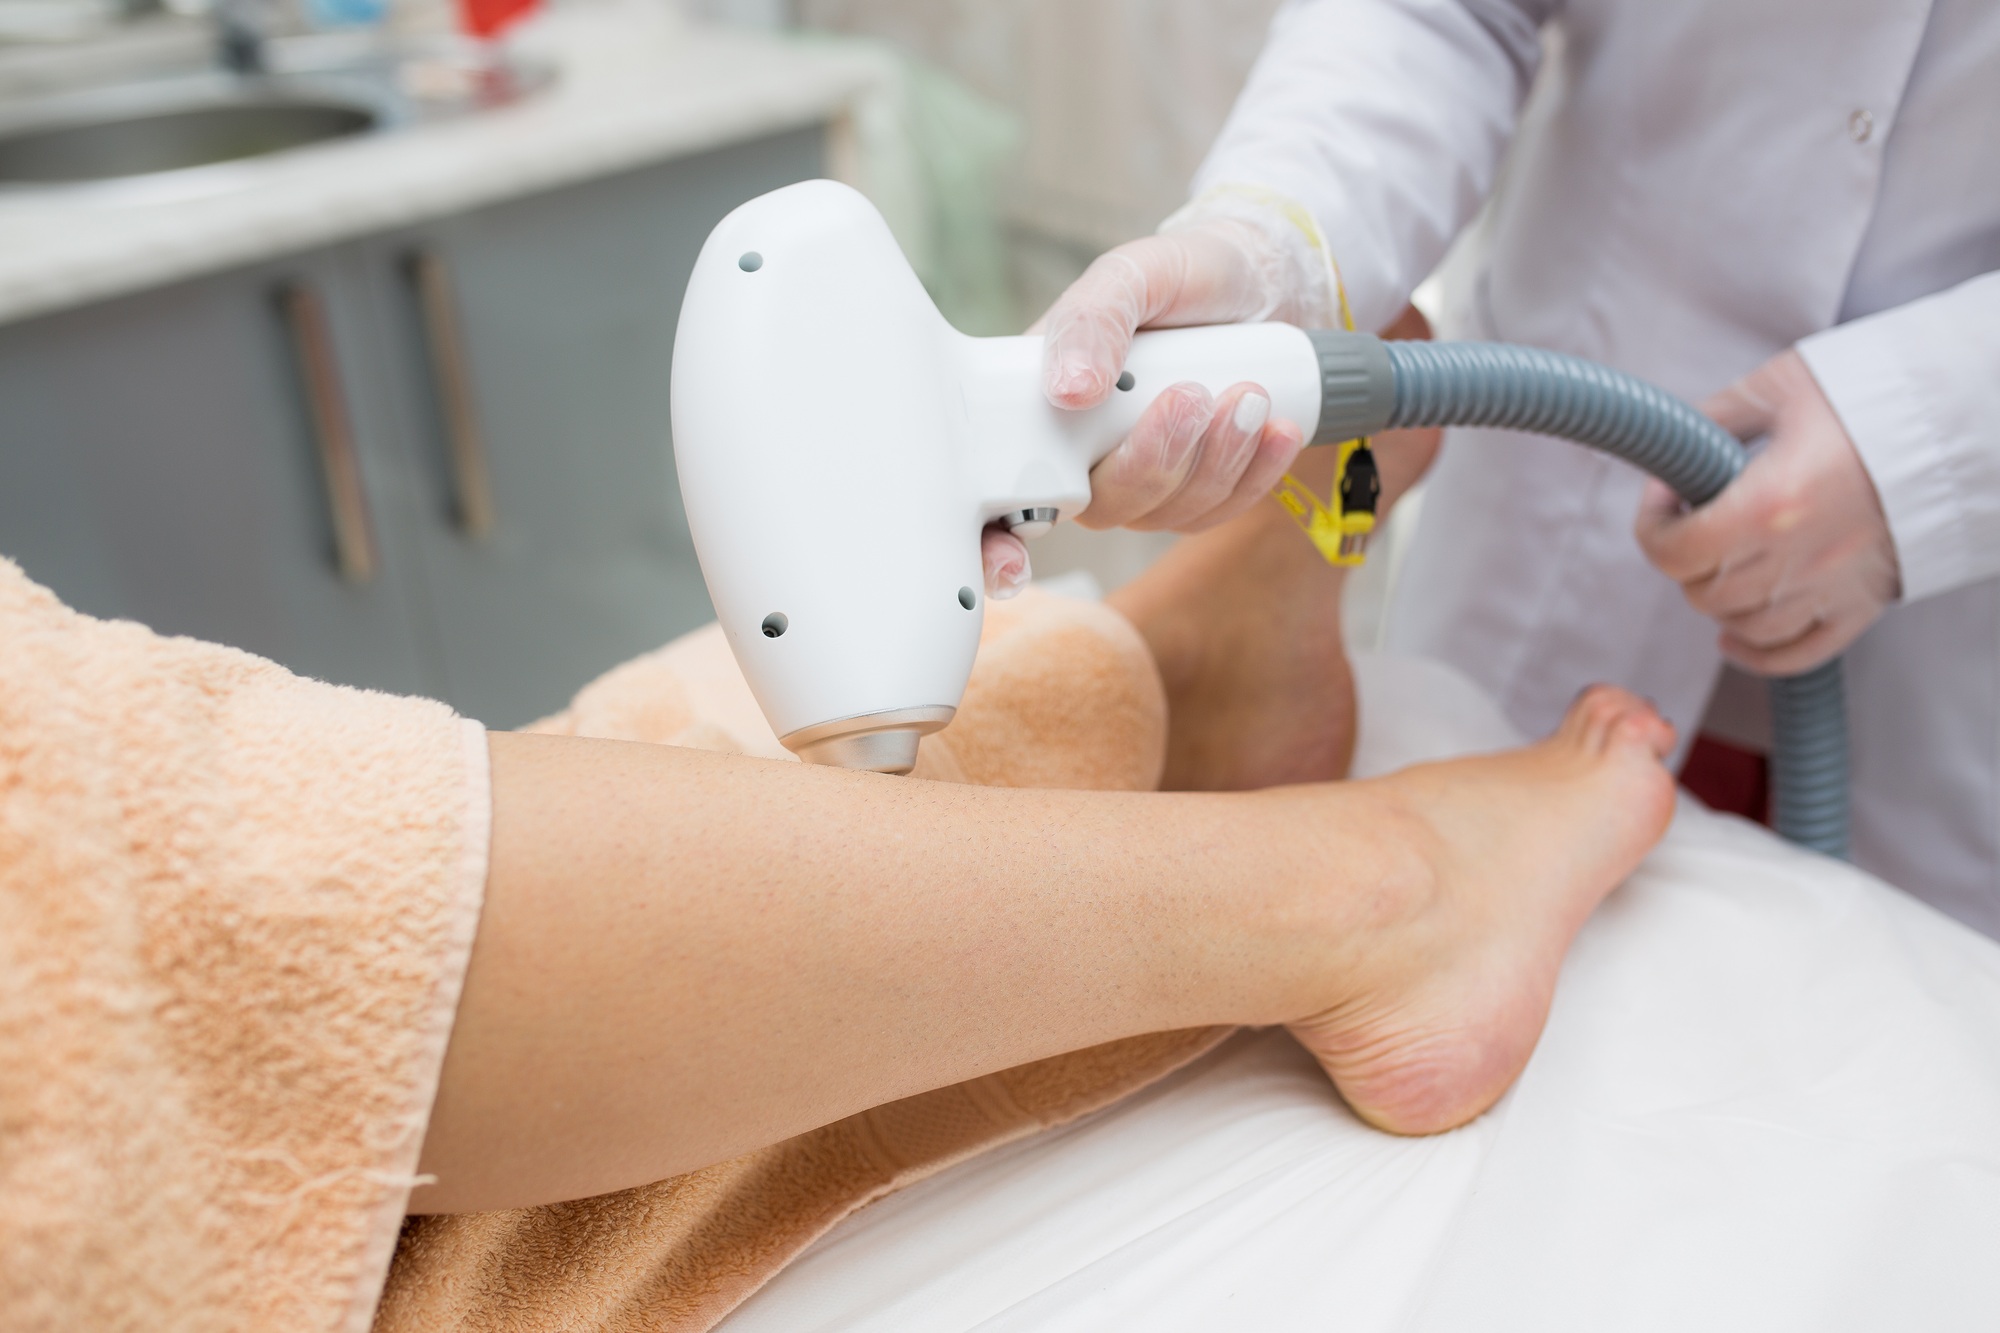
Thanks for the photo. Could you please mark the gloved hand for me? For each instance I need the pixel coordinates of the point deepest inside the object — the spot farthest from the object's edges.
(1194, 460)
(1795, 558)
(1006, 560)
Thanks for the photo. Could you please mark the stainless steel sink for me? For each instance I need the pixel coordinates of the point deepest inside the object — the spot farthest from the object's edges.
(208, 126)
(315, 91)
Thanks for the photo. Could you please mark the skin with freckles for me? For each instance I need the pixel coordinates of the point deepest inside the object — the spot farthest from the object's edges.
(1795, 559)
(686, 955)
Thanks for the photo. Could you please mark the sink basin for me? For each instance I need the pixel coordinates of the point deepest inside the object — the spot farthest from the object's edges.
(317, 90)
(218, 127)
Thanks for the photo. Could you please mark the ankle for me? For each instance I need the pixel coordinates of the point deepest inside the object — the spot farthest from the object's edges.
(1343, 897)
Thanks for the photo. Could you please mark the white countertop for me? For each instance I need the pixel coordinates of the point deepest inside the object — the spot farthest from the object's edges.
(635, 85)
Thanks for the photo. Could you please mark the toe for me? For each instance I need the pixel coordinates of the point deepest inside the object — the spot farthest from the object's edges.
(1645, 730)
(1604, 715)
(1591, 717)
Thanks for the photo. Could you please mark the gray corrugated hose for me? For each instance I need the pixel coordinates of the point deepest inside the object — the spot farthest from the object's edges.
(1547, 393)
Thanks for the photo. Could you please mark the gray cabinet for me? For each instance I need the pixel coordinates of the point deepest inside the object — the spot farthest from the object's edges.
(155, 464)
(163, 456)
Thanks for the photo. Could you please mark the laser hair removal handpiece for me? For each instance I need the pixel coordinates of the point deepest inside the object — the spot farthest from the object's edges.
(841, 447)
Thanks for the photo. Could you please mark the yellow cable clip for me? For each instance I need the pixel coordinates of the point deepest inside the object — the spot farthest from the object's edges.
(1341, 533)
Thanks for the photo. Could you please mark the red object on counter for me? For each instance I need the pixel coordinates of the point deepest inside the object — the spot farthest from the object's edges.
(488, 18)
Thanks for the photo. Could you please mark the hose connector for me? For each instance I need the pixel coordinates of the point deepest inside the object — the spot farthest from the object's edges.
(1357, 385)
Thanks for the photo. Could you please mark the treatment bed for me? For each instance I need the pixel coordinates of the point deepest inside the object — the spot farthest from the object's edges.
(1768, 1098)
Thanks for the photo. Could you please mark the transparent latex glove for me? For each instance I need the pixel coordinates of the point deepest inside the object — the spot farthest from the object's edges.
(1795, 559)
(1194, 459)
(1006, 560)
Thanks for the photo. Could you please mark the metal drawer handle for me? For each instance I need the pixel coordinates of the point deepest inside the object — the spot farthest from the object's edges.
(333, 431)
(465, 444)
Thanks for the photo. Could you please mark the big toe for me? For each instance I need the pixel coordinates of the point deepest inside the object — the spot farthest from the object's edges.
(1618, 744)
(1605, 719)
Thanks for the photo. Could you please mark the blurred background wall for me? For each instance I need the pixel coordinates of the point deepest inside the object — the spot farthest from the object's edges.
(1117, 101)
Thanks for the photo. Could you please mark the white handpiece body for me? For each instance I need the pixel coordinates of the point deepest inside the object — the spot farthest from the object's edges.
(840, 448)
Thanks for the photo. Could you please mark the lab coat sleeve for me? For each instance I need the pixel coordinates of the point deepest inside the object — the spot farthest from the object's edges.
(1387, 119)
(1918, 388)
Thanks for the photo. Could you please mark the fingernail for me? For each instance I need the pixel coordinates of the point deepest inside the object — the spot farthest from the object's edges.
(1076, 379)
(1252, 411)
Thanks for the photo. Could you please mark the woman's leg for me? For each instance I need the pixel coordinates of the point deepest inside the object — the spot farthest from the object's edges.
(685, 955)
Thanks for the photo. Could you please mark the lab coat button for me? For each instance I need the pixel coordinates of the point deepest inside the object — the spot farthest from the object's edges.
(1861, 126)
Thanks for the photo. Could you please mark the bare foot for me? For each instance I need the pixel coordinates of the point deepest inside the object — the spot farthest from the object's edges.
(1244, 622)
(1518, 850)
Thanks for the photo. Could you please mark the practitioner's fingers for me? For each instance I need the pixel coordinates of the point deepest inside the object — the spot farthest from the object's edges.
(1659, 506)
(1154, 462)
(1838, 616)
(1185, 461)
(1689, 545)
(1277, 449)
(1006, 559)
(1747, 408)
(1795, 558)
(1822, 642)
(1226, 451)
(1208, 275)
(1089, 329)
(1771, 628)
(1750, 583)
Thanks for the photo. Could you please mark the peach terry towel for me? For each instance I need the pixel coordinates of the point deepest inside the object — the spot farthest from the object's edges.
(1064, 695)
(235, 911)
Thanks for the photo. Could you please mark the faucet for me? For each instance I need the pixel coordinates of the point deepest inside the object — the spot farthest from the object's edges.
(242, 29)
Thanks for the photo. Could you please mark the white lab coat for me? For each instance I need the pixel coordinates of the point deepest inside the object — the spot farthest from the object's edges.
(1696, 185)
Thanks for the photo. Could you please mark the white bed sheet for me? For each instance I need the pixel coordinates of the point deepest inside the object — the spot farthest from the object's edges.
(1768, 1098)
